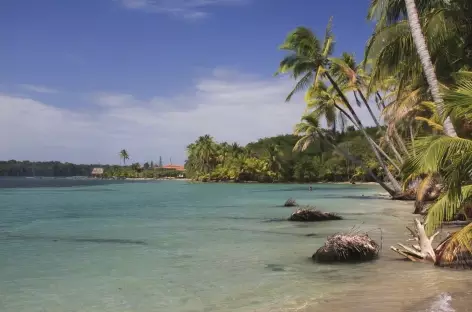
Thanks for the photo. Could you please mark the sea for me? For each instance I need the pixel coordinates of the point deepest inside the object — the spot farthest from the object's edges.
(177, 246)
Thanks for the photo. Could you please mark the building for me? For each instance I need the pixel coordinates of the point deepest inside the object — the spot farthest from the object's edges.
(97, 172)
(174, 167)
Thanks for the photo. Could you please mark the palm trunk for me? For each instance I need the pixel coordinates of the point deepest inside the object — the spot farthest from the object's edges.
(372, 142)
(400, 141)
(398, 138)
(369, 109)
(393, 148)
(382, 102)
(425, 58)
(389, 142)
(356, 161)
(396, 186)
(412, 137)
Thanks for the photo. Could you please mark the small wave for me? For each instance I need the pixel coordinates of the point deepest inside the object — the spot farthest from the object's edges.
(442, 304)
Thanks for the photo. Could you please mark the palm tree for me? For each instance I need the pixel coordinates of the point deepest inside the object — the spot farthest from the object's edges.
(398, 46)
(273, 153)
(348, 72)
(451, 158)
(428, 67)
(205, 149)
(124, 155)
(311, 132)
(308, 62)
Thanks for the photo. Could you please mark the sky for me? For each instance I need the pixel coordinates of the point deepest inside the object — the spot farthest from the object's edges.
(82, 79)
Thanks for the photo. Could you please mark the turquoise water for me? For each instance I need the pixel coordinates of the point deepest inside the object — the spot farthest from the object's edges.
(176, 246)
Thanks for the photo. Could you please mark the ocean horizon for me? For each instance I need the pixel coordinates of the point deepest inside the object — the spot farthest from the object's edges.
(178, 246)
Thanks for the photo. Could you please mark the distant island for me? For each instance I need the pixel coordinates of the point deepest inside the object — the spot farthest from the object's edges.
(15, 168)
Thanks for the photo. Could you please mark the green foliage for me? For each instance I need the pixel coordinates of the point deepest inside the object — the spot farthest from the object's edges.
(15, 168)
(136, 171)
(273, 160)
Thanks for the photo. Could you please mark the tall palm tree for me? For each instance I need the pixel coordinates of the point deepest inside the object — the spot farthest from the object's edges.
(428, 67)
(398, 46)
(124, 156)
(308, 62)
(273, 153)
(206, 152)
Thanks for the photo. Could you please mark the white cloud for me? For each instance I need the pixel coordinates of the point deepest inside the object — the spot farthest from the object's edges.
(38, 89)
(230, 106)
(188, 9)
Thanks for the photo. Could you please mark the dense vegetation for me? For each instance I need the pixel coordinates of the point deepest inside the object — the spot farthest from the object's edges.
(417, 70)
(13, 168)
(274, 160)
(137, 171)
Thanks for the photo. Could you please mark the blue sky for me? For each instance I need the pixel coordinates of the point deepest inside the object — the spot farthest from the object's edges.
(81, 80)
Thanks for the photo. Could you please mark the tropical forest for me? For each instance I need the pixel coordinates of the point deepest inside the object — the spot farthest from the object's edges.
(417, 71)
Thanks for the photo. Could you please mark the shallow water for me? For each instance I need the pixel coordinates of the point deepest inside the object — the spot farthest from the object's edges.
(175, 246)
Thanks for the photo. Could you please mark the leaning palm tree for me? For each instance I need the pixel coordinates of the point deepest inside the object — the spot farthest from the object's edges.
(310, 132)
(308, 62)
(124, 156)
(353, 75)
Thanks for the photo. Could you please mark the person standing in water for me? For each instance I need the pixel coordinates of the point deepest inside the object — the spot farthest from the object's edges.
(311, 188)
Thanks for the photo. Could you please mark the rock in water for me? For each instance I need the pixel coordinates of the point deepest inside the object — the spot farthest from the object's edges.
(349, 247)
(290, 203)
(312, 215)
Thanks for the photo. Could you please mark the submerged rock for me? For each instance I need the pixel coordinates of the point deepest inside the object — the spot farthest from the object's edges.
(349, 247)
(290, 203)
(312, 215)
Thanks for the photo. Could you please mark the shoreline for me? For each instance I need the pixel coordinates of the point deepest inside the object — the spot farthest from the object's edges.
(285, 182)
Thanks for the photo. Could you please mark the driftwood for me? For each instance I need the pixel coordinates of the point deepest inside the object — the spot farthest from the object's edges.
(290, 203)
(347, 247)
(312, 215)
(422, 252)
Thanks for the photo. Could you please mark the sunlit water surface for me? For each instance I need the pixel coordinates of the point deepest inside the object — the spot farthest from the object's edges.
(176, 246)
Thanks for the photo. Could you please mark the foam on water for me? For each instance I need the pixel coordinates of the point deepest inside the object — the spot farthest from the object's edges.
(442, 304)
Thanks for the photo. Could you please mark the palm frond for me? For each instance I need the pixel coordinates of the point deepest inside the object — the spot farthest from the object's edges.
(446, 208)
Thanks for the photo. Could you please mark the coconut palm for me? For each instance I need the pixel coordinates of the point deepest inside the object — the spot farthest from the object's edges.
(398, 46)
(451, 157)
(428, 67)
(353, 75)
(274, 155)
(324, 101)
(124, 156)
(205, 152)
(309, 61)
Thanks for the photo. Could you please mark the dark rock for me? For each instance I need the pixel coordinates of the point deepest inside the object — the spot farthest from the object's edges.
(349, 247)
(290, 203)
(312, 215)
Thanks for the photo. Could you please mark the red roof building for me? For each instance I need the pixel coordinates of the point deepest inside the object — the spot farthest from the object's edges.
(174, 167)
